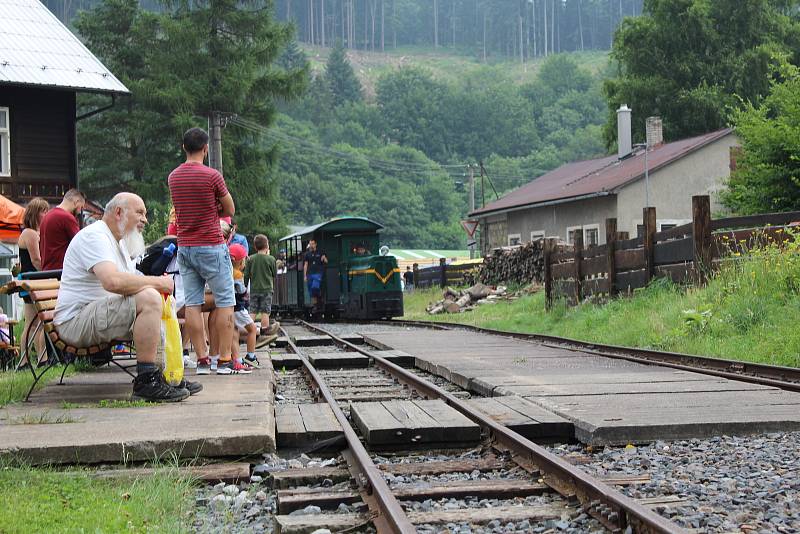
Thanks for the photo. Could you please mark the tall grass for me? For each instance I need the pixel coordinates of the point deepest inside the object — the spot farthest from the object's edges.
(748, 311)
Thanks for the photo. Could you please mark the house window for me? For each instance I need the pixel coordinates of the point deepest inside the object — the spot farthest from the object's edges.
(591, 236)
(514, 240)
(5, 143)
(639, 230)
(536, 235)
(667, 226)
(571, 231)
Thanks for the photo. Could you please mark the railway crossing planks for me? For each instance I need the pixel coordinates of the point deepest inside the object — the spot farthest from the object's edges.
(299, 425)
(312, 340)
(286, 361)
(338, 360)
(610, 401)
(399, 424)
(525, 417)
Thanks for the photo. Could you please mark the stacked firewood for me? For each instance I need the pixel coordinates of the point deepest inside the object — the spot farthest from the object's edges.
(521, 264)
(457, 301)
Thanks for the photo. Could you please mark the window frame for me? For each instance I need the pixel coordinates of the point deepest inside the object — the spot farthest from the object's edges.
(570, 229)
(538, 234)
(593, 226)
(518, 237)
(6, 156)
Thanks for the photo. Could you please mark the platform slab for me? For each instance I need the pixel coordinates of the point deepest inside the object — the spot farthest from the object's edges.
(338, 360)
(525, 418)
(396, 424)
(230, 417)
(299, 425)
(608, 400)
(312, 340)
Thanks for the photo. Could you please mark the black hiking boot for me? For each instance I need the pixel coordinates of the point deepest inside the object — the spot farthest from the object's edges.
(152, 387)
(191, 387)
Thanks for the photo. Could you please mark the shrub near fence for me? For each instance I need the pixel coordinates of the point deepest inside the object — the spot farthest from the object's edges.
(684, 254)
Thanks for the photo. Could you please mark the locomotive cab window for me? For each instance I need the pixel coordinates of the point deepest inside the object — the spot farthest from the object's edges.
(5, 143)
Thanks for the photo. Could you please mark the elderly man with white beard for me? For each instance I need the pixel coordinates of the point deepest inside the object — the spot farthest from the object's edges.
(103, 299)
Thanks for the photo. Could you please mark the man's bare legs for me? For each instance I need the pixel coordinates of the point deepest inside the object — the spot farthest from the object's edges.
(221, 323)
(149, 305)
(194, 326)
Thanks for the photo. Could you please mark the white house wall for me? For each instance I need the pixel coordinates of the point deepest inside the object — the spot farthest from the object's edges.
(705, 171)
(555, 219)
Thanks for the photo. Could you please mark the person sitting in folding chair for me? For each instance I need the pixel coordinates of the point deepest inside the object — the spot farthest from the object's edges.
(103, 299)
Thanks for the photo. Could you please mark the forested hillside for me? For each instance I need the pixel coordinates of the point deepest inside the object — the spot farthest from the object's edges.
(466, 88)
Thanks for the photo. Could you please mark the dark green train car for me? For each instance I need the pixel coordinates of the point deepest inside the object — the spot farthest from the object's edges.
(359, 282)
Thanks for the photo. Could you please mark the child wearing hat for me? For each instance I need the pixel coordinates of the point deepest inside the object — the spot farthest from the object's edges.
(241, 317)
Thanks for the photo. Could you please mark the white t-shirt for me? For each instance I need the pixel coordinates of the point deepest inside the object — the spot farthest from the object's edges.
(79, 285)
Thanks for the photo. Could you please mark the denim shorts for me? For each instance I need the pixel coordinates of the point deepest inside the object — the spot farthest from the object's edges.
(207, 265)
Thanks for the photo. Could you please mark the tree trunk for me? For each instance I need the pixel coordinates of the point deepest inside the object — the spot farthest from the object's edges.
(383, 26)
(436, 23)
(373, 8)
(544, 6)
(394, 24)
(311, 21)
(453, 20)
(322, 21)
(484, 35)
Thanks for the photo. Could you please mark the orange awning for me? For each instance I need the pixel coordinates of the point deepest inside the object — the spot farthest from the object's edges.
(11, 215)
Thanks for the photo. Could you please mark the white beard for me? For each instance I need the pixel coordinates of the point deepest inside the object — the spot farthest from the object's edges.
(133, 242)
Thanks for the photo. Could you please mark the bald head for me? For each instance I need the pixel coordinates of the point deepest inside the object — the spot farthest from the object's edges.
(124, 213)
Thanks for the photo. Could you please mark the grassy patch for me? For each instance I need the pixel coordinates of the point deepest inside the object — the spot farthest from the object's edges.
(748, 312)
(45, 500)
(117, 403)
(44, 418)
(15, 384)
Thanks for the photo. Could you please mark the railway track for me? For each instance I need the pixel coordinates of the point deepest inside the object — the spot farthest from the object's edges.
(503, 470)
(787, 378)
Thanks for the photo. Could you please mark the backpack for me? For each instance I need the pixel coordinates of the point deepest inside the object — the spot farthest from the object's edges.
(153, 263)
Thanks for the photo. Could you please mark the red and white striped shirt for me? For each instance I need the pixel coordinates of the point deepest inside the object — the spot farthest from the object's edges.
(196, 190)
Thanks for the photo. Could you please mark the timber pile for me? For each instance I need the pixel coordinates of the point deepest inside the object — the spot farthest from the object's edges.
(521, 264)
(457, 301)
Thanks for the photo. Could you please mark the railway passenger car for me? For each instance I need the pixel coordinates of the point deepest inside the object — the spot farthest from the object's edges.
(361, 280)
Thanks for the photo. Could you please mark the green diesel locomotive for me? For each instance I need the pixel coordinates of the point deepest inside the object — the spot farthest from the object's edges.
(361, 280)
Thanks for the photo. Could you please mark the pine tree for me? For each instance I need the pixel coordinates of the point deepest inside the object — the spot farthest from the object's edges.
(339, 75)
(293, 58)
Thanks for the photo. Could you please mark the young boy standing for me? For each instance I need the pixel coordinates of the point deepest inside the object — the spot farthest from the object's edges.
(260, 274)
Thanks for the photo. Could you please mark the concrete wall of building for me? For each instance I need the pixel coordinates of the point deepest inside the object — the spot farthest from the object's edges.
(705, 171)
(554, 220)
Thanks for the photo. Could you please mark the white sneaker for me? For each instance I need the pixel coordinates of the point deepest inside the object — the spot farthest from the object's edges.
(188, 362)
(214, 362)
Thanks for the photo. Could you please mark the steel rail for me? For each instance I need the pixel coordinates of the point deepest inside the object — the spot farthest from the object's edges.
(387, 514)
(787, 378)
(611, 507)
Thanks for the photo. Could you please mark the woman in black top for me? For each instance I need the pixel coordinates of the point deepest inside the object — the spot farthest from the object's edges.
(30, 261)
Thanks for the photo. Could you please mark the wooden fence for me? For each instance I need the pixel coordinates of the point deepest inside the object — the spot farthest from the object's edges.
(685, 254)
(442, 275)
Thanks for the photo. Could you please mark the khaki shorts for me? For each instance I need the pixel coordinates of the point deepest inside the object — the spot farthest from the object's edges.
(102, 321)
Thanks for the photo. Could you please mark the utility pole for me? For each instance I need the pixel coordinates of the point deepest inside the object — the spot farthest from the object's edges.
(217, 120)
(472, 206)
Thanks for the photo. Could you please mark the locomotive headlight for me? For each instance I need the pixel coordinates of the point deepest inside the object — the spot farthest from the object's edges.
(384, 250)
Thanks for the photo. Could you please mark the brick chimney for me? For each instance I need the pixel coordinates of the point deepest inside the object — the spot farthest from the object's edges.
(655, 132)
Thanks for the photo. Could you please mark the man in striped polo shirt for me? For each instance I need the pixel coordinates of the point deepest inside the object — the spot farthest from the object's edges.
(201, 197)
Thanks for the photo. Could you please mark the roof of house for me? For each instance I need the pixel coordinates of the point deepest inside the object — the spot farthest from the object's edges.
(596, 177)
(37, 49)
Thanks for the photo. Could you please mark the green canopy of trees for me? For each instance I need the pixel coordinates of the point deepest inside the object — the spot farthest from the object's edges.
(693, 62)
(181, 65)
(767, 177)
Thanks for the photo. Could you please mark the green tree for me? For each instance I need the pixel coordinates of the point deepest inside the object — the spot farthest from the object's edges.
(693, 61)
(767, 177)
(215, 55)
(126, 147)
(340, 78)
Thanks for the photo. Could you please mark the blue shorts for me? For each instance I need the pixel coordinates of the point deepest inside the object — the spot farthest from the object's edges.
(207, 265)
(314, 284)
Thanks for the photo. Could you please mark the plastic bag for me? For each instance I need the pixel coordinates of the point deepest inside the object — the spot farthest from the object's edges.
(173, 350)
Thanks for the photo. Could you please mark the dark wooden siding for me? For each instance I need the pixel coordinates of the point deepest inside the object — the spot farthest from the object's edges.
(43, 151)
